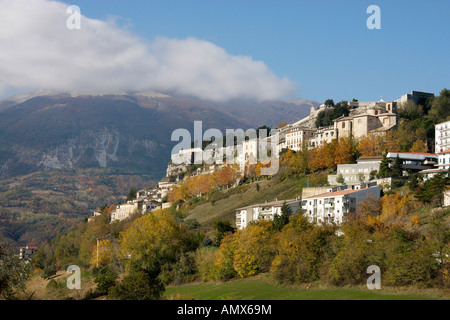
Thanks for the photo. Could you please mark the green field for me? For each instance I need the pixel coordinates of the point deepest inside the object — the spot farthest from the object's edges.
(262, 288)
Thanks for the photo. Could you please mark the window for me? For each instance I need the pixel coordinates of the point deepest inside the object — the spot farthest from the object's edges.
(343, 125)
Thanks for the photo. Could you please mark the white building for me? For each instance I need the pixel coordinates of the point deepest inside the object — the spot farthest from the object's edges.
(443, 166)
(322, 136)
(124, 211)
(266, 211)
(356, 173)
(335, 206)
(447, 198)
(414, 161)
(444, 160)
(296, 136)
(442, 137)
(164, 186)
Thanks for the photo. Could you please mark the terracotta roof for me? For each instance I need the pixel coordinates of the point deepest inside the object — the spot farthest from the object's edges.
(433, 170)
(278, 203)
(444, 152)
(336, 193)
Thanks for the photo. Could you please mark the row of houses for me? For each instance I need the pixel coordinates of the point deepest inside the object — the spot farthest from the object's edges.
(339, 202)
(146, 200)
(365, 117)
(334, 206)
(377, 118)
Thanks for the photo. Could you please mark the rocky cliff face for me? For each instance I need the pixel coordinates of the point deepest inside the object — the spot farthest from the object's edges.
(122, 131)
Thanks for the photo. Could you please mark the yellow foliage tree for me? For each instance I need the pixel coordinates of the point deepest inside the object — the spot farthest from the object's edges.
(419, 146)
(155, 237)
(102, 254)
(393, 142)
(394, 207)
(343, 151)
(255, 249)
(371, 145)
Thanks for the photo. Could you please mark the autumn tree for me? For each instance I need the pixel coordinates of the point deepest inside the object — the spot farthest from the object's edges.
(368, 208)
(419, 146)
(281, 124)
(371, 145)
(394, 207)
(344, 152)
(103, 253)
(151, 244)
(392, 141)
(255, 249)
(322, 157)
(302, 251)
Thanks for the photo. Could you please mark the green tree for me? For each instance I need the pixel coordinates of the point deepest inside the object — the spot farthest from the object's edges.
(385, 170)
(152, 244)
(433, 190)
(105, 278)
(440, 106)
(279, 221)
(329, 103)
(397, 170)
(222, 228)
(131, 194)
(340, 179)
(139, 284)
(13, 273)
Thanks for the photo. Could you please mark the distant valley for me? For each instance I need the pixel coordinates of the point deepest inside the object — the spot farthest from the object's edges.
(61, 156)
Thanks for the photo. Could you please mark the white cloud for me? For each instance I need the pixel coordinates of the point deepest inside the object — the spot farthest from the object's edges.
(38, 50)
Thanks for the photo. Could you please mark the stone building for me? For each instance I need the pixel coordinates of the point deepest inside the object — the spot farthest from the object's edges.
(376, 120)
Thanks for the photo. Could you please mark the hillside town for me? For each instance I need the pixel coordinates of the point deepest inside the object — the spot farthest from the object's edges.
(351, 183)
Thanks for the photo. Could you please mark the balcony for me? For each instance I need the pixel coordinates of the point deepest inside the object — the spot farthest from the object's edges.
(329, 205)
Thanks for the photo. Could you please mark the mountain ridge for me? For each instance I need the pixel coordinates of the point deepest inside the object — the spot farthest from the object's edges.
(59, 130)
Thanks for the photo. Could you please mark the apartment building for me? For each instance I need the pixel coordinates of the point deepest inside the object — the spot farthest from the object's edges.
(295, 137)
(265, 211)
(338, 204)
(442, 137)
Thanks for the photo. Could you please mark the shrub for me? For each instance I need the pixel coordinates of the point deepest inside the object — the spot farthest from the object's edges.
(254, 250)
(105, 278)
(223, 265)
(137, 285)
(205, 258)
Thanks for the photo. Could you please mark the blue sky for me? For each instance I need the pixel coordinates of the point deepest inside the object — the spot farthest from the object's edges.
(324, 47)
